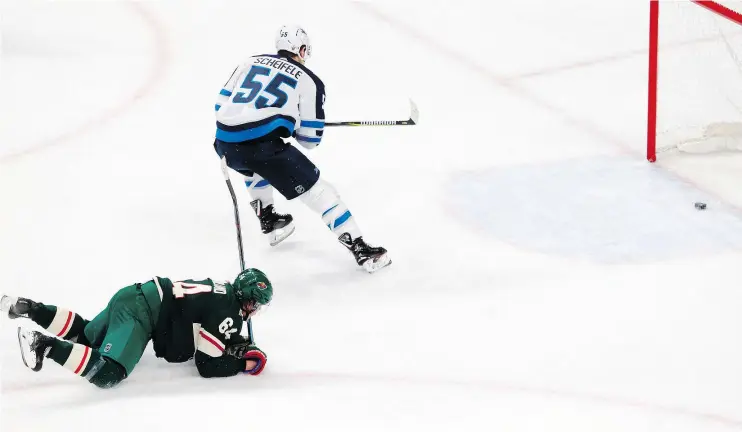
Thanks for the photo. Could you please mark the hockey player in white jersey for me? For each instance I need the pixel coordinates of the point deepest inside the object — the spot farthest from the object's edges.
(269, 99)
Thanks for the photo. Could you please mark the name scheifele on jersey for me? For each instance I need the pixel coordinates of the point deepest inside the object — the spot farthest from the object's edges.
(270, 97)
(280, 65)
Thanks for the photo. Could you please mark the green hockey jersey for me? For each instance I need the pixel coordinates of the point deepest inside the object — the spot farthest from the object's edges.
(199, 318)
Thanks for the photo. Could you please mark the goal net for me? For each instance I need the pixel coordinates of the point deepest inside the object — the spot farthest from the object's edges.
(695, 77)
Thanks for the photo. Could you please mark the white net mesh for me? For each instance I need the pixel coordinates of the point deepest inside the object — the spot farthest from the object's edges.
(699, 85)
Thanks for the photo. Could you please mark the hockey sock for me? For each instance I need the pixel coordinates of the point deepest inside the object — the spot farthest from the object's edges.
(259, 189)
(77, 358)
(323, 199)
(60, 322)
(87, 363)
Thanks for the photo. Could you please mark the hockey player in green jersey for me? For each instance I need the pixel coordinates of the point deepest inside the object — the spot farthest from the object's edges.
(183, 319)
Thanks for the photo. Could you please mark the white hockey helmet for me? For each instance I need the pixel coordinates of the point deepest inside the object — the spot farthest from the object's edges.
(291, 38)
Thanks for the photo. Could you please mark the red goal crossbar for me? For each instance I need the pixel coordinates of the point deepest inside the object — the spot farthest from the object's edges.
(654, 12)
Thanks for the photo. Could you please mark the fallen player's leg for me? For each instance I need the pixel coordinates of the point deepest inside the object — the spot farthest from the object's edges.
(81, 360)
(114, 340)
(57, 321)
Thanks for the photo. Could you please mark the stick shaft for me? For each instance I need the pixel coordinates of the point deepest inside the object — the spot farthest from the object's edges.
(414, 115)
(225, 172)
(372, 123)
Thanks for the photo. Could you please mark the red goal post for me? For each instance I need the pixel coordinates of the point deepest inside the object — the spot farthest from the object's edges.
(709, 134)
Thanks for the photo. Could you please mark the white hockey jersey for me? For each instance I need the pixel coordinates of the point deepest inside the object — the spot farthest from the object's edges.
(270, 95)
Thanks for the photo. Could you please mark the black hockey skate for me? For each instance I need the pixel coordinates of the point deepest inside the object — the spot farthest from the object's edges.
(34, 347)
(16, 307)
(371, 258)
(275, 225)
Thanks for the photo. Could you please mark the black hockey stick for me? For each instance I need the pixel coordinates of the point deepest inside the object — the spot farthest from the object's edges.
(414, 115)
(225, 171)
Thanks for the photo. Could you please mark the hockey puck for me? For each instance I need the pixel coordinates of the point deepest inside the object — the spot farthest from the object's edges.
(701, 206)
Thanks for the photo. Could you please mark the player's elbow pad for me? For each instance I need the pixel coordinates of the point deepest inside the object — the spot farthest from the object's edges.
(206, 373)
(217, 367)
(206, 368)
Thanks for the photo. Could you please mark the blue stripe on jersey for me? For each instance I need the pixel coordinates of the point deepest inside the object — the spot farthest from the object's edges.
(253, 124)
(261, 184)
(308, 139)
(255, 132)
(312, 124)
(225, 92)
(216, 107)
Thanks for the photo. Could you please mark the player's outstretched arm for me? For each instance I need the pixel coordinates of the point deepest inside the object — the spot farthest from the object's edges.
(312, 112)
(218, 367)
(238, 358)
(211, 359)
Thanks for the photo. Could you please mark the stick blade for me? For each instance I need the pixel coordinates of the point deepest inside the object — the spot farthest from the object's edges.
(414, 113)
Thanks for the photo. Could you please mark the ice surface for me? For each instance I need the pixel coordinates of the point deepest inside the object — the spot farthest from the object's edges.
(545, 277)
